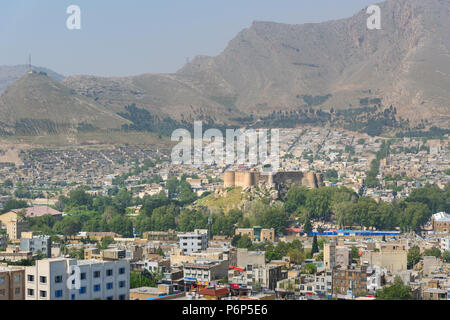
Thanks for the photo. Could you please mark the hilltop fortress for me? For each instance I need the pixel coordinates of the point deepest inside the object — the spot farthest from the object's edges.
(252, 178)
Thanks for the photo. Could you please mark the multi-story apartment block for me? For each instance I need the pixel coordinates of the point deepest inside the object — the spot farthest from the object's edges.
(193, 241)
(104, 280)
(205, 272)
(12, 284)
(36, 244)
(445, 244)
(329, 255)
(350, 281)
(324, 283)
(14, 225)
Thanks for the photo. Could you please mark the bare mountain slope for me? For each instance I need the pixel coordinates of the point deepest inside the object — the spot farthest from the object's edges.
(41, 103)
(10, 74)
(269, 66)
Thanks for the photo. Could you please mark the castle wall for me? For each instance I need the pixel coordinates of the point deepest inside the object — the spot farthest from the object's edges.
(247, 179)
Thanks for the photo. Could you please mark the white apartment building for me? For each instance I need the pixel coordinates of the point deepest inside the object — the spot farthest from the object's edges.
(445, 244)
(193, 241)
(104, 280)
(323, 283)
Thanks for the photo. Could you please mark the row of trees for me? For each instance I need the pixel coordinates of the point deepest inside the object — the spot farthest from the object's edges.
(348, 209)
(161, 213)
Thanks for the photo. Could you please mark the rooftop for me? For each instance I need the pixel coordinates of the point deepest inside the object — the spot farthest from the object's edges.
(441, 217)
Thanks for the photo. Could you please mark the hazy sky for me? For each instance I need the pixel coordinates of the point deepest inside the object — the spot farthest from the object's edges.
(138, 36)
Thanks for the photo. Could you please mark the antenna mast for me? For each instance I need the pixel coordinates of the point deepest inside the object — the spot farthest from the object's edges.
(30, 68)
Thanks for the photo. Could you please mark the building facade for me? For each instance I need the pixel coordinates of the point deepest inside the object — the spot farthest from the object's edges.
(98, 280)
(441, 222)
(193, 241)
(12, 283)
(37, 244)
(350, 281)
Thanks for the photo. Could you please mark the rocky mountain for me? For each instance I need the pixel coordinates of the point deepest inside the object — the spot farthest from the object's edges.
(38, 104)
(272, 66)
(10, 74)
(403, 69)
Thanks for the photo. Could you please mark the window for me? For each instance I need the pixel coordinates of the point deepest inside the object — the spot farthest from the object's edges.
(58, 279)
(83, 276)
(43, 294)
(96, 274)
(82, 290)
(122, 271)
(2, 292)
(109, 272)
(30, 278)
(17, 278)
(2, 280)
(122, 284)
(72, 297)
(122, 297)
(43, 279)
(30, 292)
(109, 298)
(109, 286)
(17, 291)
(97, 288)
(58, 293)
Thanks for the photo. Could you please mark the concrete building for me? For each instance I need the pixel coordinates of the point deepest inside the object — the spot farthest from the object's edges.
(165, 236)
(376, 279)
(157, 265)
(193, 241)
(246, 259)
(392, 257)
(14, 254)
(47, 280)
(178, 257)
(13, 224)
(12, 283)
(343, 256)
(431, 265)
(257, 234)
(204, 272)
(36, 244)
(350, 281)
(445, 244)
(329, 255)
(441, 222)
(324, 283)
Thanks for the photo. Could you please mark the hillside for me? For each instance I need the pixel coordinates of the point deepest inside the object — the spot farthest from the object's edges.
(38, 104)
(272, 66)
(10, 74)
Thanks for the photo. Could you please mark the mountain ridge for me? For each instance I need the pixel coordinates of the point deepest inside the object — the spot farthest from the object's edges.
(267, 66)
(275, 67)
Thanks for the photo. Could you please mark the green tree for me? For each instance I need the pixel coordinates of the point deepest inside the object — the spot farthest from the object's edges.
(244, 242)
(434, 252)
(310, 268)
(315, 246)
(307, 228)
(296, 256)
(397, 291)
(413, 257)
(446, 256)
(354, 253)
(105, 242)
(121, 225)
